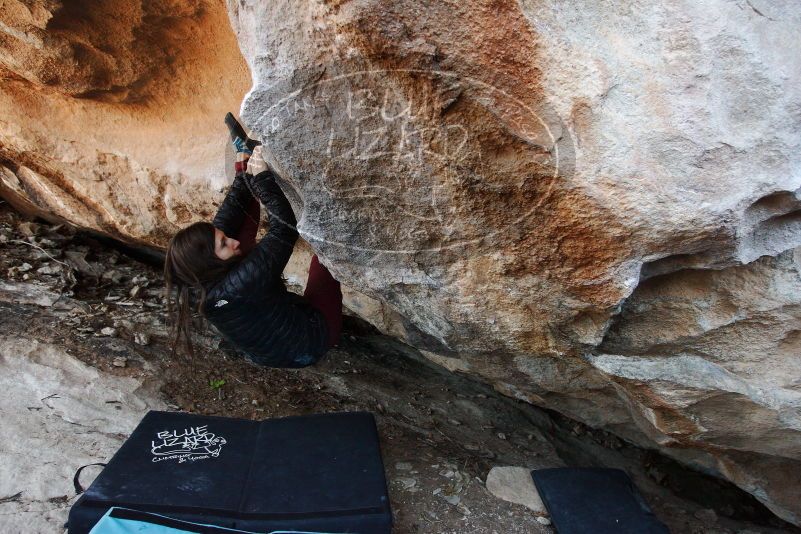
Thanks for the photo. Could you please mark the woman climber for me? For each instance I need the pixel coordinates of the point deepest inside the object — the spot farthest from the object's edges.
(238, 284)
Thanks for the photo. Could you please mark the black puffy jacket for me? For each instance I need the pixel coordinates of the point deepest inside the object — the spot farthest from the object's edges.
(251, 306)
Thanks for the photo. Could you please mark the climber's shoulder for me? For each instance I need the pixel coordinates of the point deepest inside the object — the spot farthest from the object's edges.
(229, 294)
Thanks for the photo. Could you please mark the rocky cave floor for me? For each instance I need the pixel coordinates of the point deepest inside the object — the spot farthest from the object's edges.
(441, 432)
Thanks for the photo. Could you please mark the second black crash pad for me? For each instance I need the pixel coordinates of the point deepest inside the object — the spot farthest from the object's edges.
(601, 501)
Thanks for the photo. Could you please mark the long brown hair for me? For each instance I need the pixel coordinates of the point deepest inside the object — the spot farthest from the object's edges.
(190, 267)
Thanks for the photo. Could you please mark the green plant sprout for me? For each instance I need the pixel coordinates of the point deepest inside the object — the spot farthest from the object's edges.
(216, 384)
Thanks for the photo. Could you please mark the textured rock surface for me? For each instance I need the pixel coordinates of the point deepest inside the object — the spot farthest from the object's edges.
(542, 191)
(112, 110)
(514, 484)
(58, 414)
(593, 209)
(710, 359)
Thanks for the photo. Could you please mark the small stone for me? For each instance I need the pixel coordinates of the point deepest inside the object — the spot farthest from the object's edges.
(727, 510)
(406, 483)
(49, 269)
(78, 262)
(514, 484)
(134, 292)
(113, 275)
(28, 229)
(108, 331)
(501, 435)
(120, 361)
(543, 520)
(38, 255)
(141, 338)
(124, 323)
(403, 466)
(657, 475)
(454, 422)
(706, 516)
(452, 499)
(254, 402)
(25, 267)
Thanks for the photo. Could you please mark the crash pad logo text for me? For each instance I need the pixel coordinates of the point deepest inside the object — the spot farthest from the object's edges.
(190, 444)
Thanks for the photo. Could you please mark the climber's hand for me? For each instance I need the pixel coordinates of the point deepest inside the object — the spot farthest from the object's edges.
(256, 163)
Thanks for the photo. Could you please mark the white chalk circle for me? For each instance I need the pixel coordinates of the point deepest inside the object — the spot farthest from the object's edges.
(397, 154)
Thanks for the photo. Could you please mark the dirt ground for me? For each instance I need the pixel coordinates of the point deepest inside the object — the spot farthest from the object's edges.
(440, 432)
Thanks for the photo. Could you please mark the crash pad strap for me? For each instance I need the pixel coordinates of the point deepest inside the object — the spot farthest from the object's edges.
(76, 479)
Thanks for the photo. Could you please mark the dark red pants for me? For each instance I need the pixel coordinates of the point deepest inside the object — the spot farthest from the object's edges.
(324, 293)
(322, 290)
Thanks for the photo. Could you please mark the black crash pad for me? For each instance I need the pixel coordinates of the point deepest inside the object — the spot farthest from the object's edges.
(319, 473)
(593, 500)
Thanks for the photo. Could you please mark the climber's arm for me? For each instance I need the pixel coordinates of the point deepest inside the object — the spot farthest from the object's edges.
(266, 262)
(234, 208)
(282, 219)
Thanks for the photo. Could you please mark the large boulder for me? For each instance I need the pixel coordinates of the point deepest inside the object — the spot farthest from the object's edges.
(596, 209)
(112, 111)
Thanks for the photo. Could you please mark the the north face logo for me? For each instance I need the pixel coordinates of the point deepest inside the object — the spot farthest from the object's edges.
(221, 303)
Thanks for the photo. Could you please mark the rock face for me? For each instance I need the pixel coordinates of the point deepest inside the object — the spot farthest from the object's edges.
(59, 414)
(593, 209)
(112, 110)
(596, 210)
